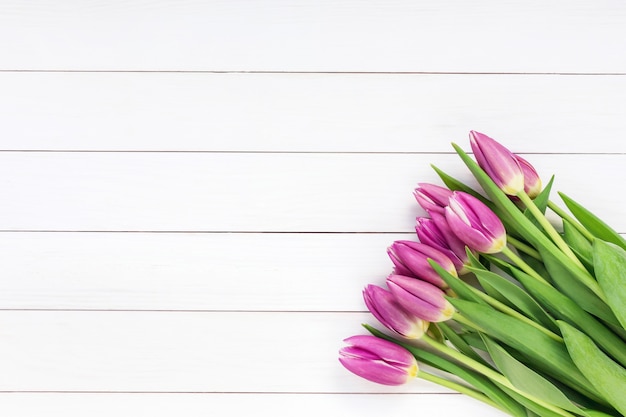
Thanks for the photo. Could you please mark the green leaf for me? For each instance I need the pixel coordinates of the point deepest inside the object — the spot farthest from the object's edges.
(509, 213)
(473, 339)
(527, 380)
(456, 185)
(597, 413)
(605, 375)
(519, 298)
(541, 201)
(460, 344)
(610, 265)
(579, 244)
(534, 408)
(473, 378)
(592, 223)
(569, 285)
(462, 289)
(566, 309)
(550, 355)
(493, 292)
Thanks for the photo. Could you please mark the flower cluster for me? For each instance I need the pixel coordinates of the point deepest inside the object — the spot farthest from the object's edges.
(523, 316)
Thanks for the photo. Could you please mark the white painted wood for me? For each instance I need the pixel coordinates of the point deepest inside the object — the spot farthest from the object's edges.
(279, 35)
(309, 112)
(182, 352)
(156, 271)
(148, 271)
(257, 192)
(236, 405)
(242, 322)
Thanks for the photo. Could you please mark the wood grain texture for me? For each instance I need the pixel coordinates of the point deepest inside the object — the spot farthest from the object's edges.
(191, 272)
(195, 192)
(247, 352)
(481, 36)
(183, 271)
(236, 405)
(309, 112)
(257, 193)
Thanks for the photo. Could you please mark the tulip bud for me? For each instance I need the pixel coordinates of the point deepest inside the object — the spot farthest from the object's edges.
(414, 257)
(532, 182)
(475, 224)
(432, 197)
(382, 304)
(435, 232)
(378, 360)
(420, 298)
(498, 162)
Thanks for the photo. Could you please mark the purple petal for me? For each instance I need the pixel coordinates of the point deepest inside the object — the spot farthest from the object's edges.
(498, 162)
(420, 298)
(383, 305)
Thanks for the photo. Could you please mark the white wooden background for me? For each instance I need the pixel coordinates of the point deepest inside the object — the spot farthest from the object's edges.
(194, 193)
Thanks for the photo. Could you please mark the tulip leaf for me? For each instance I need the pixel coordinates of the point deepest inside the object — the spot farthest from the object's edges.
(509, 213)
(593, 223)
(541, 201)
(597, 413)
(477, 264)
(579, 244)
(462, 289)
(527, 380)
(567, 283)
(519, 298)
(610, 265)
(547, 353)
(460, 344)
(477, 380)
(533, 409)
(564, 308)
(456, 185)
(605, 375)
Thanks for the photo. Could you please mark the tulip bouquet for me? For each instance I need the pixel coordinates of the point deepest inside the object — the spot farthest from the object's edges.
(499, 302)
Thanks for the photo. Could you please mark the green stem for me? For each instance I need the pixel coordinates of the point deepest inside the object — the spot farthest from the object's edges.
(584, 276)
(547, 226)
(562, 214)
(491, 374)
(514, 313)
(458, 317)
(521, 246)
(523, 265)
(459, 388)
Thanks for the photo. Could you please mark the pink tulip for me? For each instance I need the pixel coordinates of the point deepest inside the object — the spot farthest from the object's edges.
(432, 197)
(532, 182)
(420, 298)
(413, 257)
(378, 360)
(475, 224)
(498, 162)
(435, 232)
(382, 304)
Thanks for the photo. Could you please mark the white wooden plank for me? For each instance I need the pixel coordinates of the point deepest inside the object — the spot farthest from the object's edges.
(182, 352)
(486, 35)
(236, 405)
(293, 272)
(252, 192)
(308, 112)
(241, 272)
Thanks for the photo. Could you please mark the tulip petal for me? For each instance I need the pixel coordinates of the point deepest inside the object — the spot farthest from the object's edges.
(420, 298)
(498, 162)
(378, 360)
